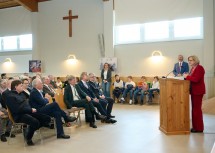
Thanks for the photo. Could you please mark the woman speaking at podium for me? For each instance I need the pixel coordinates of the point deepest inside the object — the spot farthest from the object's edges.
(197, 90)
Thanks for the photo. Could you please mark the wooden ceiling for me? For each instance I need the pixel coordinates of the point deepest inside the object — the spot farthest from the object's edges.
(31, 5)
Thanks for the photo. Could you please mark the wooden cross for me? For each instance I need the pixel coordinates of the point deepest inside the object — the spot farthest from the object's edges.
(70, 17)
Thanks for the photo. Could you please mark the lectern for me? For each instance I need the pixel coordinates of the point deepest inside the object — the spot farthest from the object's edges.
(174, 106)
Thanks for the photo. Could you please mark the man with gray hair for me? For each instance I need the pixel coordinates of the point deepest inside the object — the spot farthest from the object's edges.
(106, 102)
(75, 97)
(37, 101)
(85, 87)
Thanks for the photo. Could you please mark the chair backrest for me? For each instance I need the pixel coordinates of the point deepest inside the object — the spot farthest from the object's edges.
(10, 115)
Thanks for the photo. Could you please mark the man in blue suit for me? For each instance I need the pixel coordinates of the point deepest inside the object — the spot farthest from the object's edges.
(37, 101)
(180, 67)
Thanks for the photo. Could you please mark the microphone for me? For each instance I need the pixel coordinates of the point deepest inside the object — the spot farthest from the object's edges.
(167, 74)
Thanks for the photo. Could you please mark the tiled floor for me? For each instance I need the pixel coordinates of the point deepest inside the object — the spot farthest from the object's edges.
(135, 132)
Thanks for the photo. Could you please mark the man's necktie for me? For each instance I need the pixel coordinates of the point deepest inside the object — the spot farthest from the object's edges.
(76, 93)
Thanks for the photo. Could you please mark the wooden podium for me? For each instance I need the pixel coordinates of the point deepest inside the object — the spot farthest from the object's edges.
(174, 106)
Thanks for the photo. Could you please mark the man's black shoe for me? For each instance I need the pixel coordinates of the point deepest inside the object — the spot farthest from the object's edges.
(113, 121)
(100, 117)
(111, 116)
(92, 124)
(3, 138)
(7, 134)
(70, 119)
(63, 136)
(30, 143)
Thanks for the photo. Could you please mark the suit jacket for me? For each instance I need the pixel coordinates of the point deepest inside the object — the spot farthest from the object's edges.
(47, 90)
(95, 88)
(25, 94)
(109, 74)
(5, 94)
(68, 95)
(53, 83)
(18, 105)
(88, 90)
(197, 83)
(184, 68)
(36, 100)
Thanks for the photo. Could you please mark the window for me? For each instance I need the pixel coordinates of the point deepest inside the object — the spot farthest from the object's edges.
(188, 27)
(0, 44)
(16, 43)
(156, 30)
(10, 43)
(128, 33)
(183, 29)
(25, 41)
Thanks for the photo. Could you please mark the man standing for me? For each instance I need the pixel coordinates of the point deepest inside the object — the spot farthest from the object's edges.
(180, 67)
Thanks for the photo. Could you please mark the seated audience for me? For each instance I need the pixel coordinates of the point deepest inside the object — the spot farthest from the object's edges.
(6, 93)
(155, 87)
(36, 100)
(75, 97)
(26, 90)
(142, 86)
(3, 76)
(5, 125)
(118, 86)
(47, 87)
(66, 82)
(52, 82)
(3, 85)
(59, 83)
(23, 113)
(129, 87)
(100, 105)
(107, 101)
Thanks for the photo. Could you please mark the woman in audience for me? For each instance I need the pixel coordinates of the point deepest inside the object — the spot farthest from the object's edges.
(142, 86)
(118, 88)
(129, 87)
(155, 87)
(59, 83)
(197, 90)
(106, 79)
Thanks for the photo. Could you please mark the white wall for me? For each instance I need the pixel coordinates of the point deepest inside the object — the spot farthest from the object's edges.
(15, 21)
(141, 11)
(135, 59)
(55, 44)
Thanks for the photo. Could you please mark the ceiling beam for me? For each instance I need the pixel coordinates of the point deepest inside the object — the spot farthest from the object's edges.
(6, 4)
(31, 5)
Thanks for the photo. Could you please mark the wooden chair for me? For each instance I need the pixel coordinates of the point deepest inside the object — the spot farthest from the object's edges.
(76, 111)
(16, 126)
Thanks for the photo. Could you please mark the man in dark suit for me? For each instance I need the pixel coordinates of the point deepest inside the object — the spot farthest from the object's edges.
(23, 113)
(181, 67)
(6, 93)
(37, 101)
(85, 87)
(75, 97)
(52, 81)
(47, 87)
(107, 103)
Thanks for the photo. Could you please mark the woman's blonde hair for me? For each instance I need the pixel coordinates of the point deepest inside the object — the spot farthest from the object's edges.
(195, 59)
